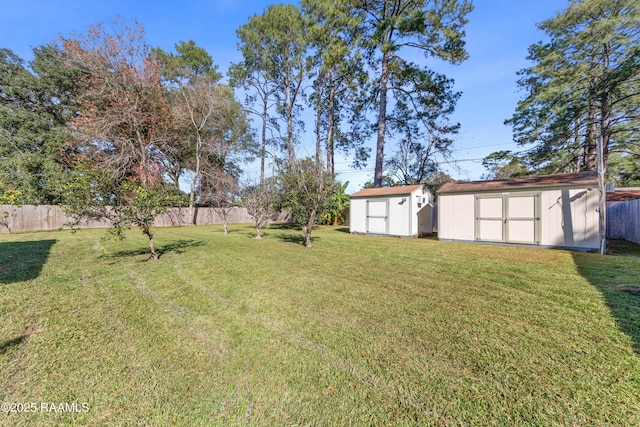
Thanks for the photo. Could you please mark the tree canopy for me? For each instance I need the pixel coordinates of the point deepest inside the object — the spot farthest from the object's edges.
(412, 100)
(583, 85)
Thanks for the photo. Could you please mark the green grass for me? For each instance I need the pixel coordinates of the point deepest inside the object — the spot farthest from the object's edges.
(227, 330)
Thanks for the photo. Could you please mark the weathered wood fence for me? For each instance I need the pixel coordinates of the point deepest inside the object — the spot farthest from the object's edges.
(44, 217)
(623, 220)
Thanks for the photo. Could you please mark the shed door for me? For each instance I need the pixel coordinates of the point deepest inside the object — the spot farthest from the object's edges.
(377, 216)
(523, 220)
(490, 219)
(508, 218)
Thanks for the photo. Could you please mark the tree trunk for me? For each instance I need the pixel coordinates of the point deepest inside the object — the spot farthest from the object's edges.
(194, 182)
(226, 230)
(154, 255)
(330, 124)
(382, 120)
(602, 202)
(605, 109)
(592, 129)
(258, 236)
(318, 126)
(307, 237)
(289, 113)
(309, 228)
(263, 149)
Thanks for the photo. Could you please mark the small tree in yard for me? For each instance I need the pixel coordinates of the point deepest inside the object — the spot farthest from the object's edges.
(221, 192)
(93, 195)
(305, 190)
(259, 201)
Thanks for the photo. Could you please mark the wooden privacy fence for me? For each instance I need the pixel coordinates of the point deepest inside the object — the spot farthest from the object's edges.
(45, 217)
(623, 220)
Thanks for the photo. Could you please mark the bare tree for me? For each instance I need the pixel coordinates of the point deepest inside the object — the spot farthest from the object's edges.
(197, 106)
(259, 201)
(222, 192)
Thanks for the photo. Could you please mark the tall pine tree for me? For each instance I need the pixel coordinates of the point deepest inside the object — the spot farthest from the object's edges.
(420, 99)
(583, 85)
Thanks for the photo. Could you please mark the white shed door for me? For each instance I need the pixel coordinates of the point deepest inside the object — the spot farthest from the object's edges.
(522, 219)
(508, 218)
(377, 216)
(490, 219)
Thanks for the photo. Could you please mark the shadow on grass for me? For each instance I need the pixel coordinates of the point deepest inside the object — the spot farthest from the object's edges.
(179, 246)
(432, 236)
(14, 342)
(20, 261)
(617, 277)
(298, 239)
(283, 226)
(343, 229)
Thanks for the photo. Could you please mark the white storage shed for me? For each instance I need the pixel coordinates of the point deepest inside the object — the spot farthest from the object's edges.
(547, 211)
(404, 211)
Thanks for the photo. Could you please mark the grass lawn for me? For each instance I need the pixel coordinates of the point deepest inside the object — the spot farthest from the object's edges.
(359, 330)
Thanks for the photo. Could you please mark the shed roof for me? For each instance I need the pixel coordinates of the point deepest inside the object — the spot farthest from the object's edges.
(569, 179)
(623, 195)
(387, 191)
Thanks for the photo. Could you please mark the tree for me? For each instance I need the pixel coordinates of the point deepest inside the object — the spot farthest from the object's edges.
(504, 164)
(190, 76)
(436, 180)
(274, 44)
(305, 190)
(230, 142)
(414, 162)
(340, 80)
(260, 90)
(35, 109)
(259, 202)
(117, 165)
(224, 196)
(92, 194)
(583, 85)
(189, 64)
(423, 99)
(625, 169)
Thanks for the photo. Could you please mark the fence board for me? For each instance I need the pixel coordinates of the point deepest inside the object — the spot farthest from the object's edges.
(46, 218)
(623, 220)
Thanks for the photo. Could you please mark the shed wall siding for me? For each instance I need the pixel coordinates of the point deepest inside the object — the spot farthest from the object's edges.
(399, 219)
(404, 218)
(570, 218)
(358, 216)
(456, 217)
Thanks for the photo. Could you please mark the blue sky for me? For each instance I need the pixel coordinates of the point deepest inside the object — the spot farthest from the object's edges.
(498, 35)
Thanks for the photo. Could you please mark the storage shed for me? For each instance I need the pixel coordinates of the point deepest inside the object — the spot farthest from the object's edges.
(548, 211)
(404, 211)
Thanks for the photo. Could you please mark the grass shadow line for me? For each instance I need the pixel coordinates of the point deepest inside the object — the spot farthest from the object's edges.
(179, 246)
(5, 346)
(283, 226)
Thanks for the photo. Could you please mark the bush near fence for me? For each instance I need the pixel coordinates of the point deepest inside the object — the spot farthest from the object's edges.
(47, 217)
